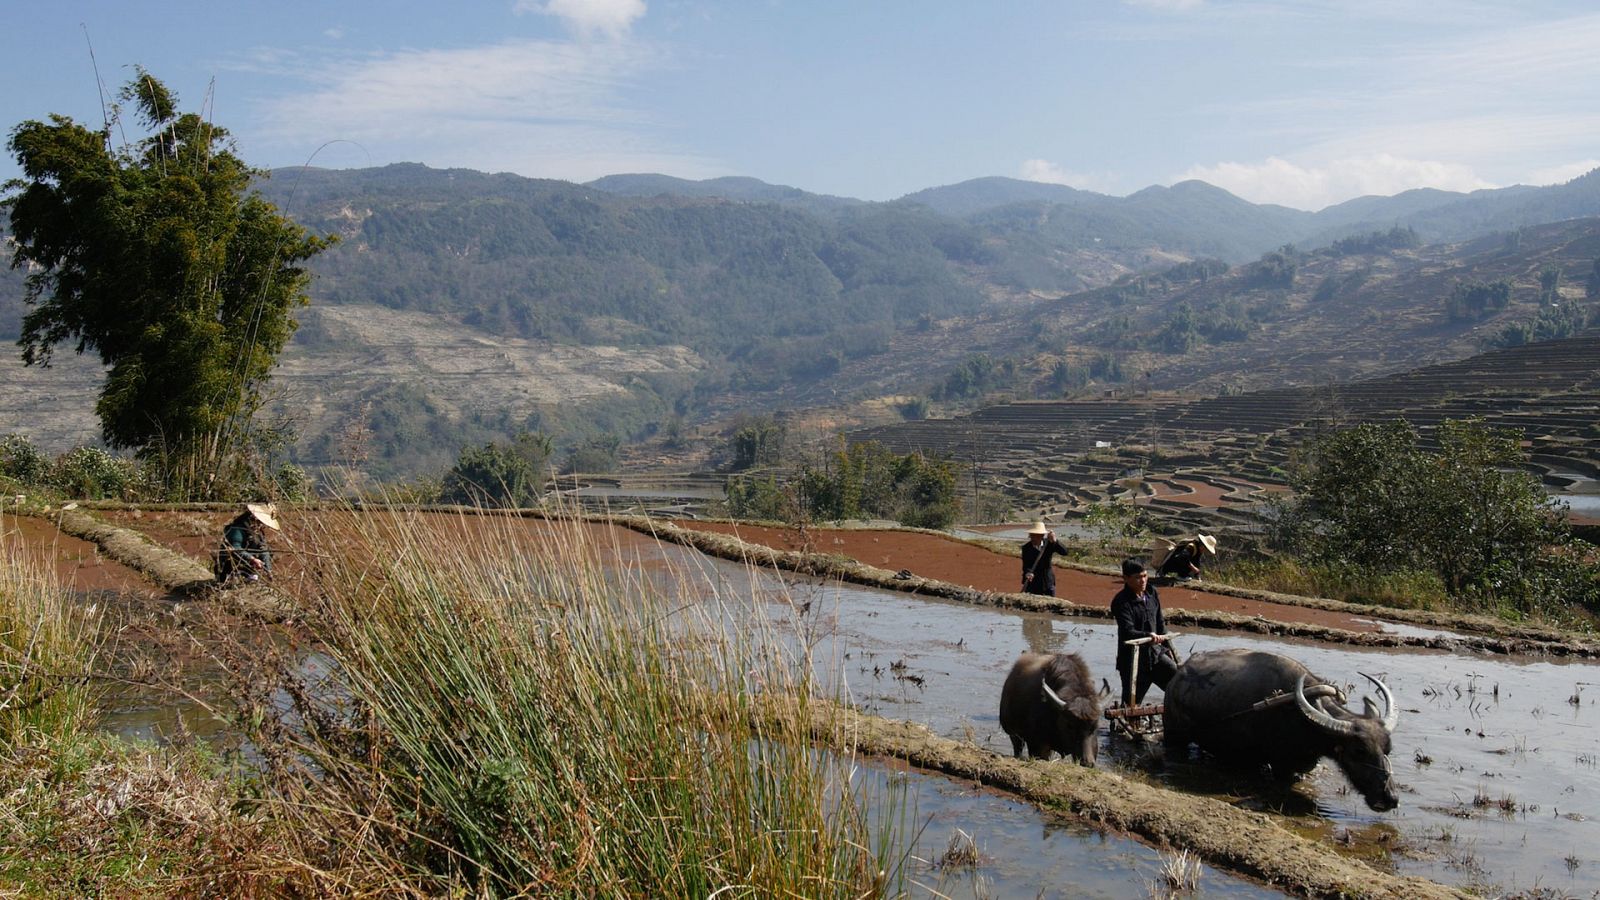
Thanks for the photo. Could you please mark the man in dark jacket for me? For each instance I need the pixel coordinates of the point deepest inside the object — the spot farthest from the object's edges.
(1137, 609)
(1038, 575)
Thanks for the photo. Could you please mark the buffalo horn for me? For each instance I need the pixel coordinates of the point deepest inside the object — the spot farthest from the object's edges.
(1054, 698)
(1317, 715)
(1391, 712)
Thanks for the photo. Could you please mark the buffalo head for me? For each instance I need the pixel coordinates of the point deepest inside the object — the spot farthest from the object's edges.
(1361, 742)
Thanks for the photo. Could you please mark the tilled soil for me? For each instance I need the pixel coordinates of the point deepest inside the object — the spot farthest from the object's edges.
(79, 565)
(910, 560)
(958, 562)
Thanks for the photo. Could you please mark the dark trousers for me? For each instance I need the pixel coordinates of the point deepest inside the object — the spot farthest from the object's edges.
(1157, 667)
(1134, 693)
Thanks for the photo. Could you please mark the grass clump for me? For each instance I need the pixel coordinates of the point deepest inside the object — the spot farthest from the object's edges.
(511, 710)
(89, 814)
(46, 650)
(84, 813)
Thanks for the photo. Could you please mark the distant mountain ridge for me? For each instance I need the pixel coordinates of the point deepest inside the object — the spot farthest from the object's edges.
(748, 190)
(732, 295)
(1190, 216)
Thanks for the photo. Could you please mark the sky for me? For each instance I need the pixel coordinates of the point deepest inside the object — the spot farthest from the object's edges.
(1304, 103)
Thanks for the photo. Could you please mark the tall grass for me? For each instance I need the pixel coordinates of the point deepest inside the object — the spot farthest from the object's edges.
(523, 712)
(47, 645)
(83, 813)
(1405, 590)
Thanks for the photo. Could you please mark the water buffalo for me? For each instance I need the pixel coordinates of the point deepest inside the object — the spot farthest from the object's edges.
(1049, 704)
(1209, 702)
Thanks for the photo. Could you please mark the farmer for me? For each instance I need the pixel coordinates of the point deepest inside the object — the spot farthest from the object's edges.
(1184, 560)
(1038, 576)
(244, 550)
(1137, 609)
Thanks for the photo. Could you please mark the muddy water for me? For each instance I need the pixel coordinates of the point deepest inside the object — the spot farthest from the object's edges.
(1524, 748)
(1498, 771)
(1026, 854)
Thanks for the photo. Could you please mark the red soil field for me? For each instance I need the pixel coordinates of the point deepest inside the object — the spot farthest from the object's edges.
(947, 559)
(78, 564)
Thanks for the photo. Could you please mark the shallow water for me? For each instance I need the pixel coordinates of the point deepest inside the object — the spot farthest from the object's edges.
(1417, 631)
(1497, 770)
(1025, 853)
(1585, 504)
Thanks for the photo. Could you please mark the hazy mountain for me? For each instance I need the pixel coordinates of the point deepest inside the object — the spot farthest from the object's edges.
(745, 190)
(983, 194)
(586, 310)
(1197, 218)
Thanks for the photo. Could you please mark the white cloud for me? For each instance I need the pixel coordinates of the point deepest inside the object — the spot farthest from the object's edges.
(1473, 101)
(1563, 173)
(551, 109)
(334, 33)
(1045, 171)
(609, 17)
(1314, 187)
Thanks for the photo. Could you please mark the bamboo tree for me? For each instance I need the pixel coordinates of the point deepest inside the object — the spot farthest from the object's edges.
(157, 256)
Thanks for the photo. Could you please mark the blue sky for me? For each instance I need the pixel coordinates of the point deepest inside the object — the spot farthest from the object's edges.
(1303, 103)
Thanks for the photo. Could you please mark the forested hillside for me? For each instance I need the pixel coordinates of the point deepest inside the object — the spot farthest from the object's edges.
(459, 306)
(777, 294)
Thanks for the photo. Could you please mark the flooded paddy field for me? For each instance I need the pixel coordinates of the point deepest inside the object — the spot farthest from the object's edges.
(1021, 851)
(1027, 854)
(77, 564)
(1495, 757)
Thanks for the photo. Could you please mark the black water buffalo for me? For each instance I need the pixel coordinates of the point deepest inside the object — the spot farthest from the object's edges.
(1209, 701)
(1049, 704)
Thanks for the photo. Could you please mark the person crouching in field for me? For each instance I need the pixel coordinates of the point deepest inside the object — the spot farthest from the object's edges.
(244, 553)
(1184, 560)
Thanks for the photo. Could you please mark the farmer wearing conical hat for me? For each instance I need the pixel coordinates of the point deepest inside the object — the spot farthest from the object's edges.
(244, 552)
(1038, 575)
(1184, 560)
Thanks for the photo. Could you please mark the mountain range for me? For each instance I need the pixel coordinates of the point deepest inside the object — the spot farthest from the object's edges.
(460, 305)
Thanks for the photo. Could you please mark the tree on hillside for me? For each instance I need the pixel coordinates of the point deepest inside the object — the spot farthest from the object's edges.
(157, 256)
(1371, 498)
(1473, 300)
(1550, 284)
(867, 480)
(496, 474)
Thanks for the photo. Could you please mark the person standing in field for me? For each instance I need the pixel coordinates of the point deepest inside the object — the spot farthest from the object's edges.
(1038, 575)
(1137, 609)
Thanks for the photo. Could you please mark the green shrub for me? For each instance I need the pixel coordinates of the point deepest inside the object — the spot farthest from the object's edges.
(22, 461)
(292, 482)
(749, 497)
(867, 480)
(90, 473)
(498, 474)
